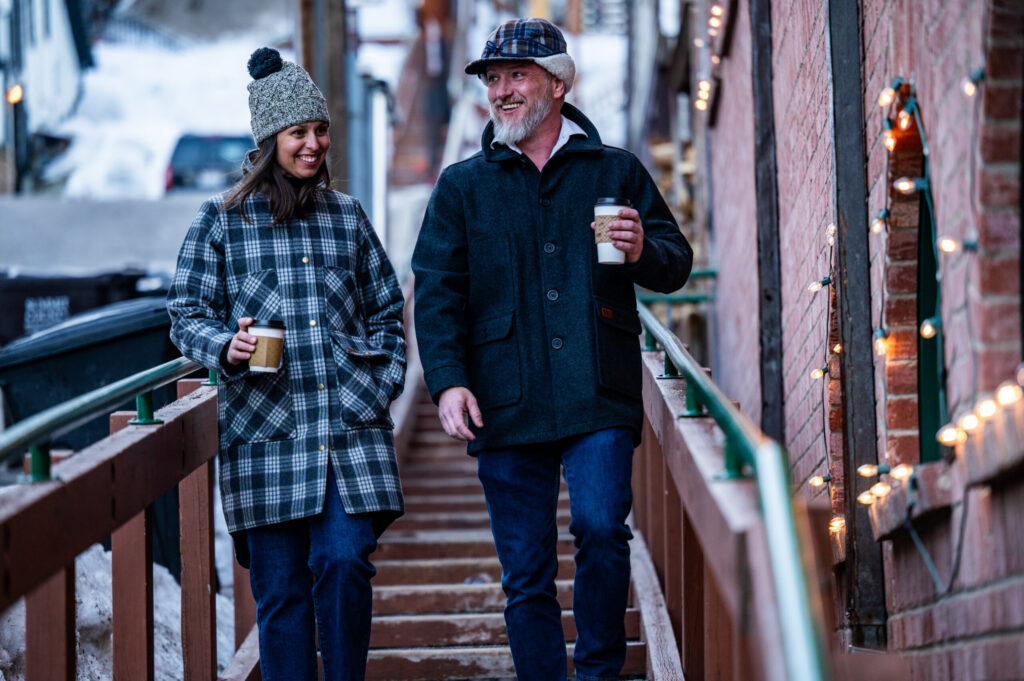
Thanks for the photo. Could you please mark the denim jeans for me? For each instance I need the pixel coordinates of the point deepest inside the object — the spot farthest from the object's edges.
(313, 575)
(521, 487)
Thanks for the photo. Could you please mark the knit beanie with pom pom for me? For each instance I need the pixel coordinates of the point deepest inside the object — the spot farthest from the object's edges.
(281, 95)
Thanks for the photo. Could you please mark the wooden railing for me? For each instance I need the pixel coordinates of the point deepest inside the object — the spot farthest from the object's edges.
(712, 501)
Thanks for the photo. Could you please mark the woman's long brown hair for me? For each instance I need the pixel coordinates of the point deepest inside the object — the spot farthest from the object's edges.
(287, 200)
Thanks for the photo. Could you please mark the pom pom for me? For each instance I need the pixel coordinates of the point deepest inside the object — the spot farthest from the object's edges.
(264, 61)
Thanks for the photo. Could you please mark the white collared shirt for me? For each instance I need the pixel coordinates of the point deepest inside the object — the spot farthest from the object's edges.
(569, 128)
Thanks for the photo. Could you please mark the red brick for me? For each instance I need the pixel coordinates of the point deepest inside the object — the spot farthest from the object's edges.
(900, 311)
(835, 419)
(1004, 63)
(903, 343)
(999, 230)
(903, 213)
(996, 366)
(904, 448)
(901, 378)
(996, 322)
(998, 188)
(901, 278)
(901, 413)
(998, 277)
(1001, 102)
(999, 143)
(902, 246)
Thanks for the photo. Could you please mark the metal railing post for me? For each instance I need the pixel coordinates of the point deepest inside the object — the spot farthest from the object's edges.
(144, 410)
(212, 378)
(40, 462)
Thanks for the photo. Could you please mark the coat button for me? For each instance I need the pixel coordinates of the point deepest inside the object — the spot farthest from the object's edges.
(320, 386)
(305, 260)
(556, 343)
(322, 448)
(549, 247)
(312, 322)
(552, 295)
(545, 202)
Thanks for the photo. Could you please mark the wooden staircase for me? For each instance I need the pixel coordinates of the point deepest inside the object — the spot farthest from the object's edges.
(437, 595)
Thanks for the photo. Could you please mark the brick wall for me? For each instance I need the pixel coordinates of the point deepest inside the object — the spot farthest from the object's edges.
(737, 323)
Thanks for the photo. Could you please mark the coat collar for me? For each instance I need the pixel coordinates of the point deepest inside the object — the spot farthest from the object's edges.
(592, 142)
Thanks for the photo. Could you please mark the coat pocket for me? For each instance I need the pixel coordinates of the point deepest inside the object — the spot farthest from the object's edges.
(365, 392)
(257, 407)
(494, 371)
(618, 348)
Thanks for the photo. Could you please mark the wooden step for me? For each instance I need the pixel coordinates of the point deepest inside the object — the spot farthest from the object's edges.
(416, 544)
(459, 521)
(442, 598)
(450, 570)
(451, 664)
(433, 503)
(468, 629)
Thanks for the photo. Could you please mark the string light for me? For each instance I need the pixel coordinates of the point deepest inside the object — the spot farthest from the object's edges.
(1008, 393)
(870, 470)
(830, 234)
(712, 32)
(902, 471)
(880, 489)
(717, 10)
(837, 348)
(968, 422)
(816, 286)
(866, 498)
(819, 480)
(930, 327)
(704, 85)
(704, 94)
(881, 341)
(950, 245)
(700, 104)
(715, 59)
(986, 408)
(820, 372)
(697, 42)
(909, 185)
(888, 135)
(888, 95)
(878, 224)
(970, 83)
(837, 524)
(951, 435)
(15, 93)
(714, 22)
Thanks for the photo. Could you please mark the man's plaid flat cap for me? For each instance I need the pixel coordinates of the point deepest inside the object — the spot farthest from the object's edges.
(533, 39)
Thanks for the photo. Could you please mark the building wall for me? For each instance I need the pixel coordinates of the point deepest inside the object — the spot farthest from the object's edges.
(734, 245)
(52, 76)
(971, 627)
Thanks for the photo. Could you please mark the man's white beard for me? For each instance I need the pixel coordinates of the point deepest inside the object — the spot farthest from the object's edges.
(536, 112)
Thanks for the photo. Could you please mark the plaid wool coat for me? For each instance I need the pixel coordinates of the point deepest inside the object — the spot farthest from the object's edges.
(329, 280)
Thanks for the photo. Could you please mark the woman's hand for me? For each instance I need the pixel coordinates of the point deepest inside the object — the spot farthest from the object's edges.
(242, 344)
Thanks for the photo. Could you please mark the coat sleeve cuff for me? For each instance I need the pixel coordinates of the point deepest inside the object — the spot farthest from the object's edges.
(440, 379)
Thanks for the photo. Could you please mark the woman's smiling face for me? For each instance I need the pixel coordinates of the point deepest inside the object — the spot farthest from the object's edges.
(302, 149)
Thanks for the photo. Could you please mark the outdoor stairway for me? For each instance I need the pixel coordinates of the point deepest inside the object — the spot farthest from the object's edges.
(437, 598)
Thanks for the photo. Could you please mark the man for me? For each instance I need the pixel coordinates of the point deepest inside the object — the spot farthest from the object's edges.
(530, 347)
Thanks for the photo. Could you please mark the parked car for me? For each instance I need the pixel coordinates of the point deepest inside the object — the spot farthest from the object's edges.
(207, 162)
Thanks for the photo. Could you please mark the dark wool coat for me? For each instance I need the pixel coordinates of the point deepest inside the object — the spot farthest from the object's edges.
(328, 278)
(512, 303)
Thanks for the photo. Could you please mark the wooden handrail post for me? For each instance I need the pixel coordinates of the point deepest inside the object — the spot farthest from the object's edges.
(198, 593)
(50, 629)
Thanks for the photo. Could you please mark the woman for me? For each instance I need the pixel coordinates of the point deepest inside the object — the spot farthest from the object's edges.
(307, 462)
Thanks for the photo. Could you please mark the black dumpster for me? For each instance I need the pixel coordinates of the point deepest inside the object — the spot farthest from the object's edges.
(85, 352)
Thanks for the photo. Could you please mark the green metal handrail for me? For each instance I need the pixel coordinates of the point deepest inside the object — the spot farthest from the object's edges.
(37, 431)
(747, 447)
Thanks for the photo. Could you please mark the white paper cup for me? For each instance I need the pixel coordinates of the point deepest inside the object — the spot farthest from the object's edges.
(606, 210)
(269, 346)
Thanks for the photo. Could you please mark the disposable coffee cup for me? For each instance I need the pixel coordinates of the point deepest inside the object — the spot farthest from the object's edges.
(606, 209)
(269, 345)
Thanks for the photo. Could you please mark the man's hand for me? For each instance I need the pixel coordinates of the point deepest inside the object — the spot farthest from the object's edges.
(627, 233)
(452, 407)
(242, 344)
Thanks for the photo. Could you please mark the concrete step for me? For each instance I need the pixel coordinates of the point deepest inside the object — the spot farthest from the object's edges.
(448, 598)
(452, 664)
(470, 629)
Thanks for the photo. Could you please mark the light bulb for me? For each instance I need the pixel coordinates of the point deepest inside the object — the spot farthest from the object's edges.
(868, 470)
(697, 42)
(712, 32)
(902, 471)
(929, 327)
(704, 85)
(715, 59)
(819, 373)
(866, 498)
(837, 348)
(904, 119)
(714, 22)
(948, 245)
(704, 94)
(969, 87)
(886, 96)
(968, 422)
(986, 408)
(881, 341)
(889, 139)
(837, 523)
(700, 104)
(880, 489)
(816, 286)
(817, 481)
(1008, 393)
(831, 229)
(878, 224)
(717, 10)
(15, 93)
(951, 435)
(909, 185)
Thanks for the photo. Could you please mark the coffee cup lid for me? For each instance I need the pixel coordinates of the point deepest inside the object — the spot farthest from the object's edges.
(612, 201)
(268, 323)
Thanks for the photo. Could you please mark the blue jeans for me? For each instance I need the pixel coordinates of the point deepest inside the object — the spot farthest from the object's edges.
(313, 575)
(521, 487)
